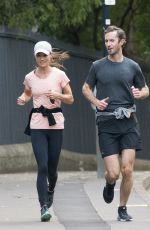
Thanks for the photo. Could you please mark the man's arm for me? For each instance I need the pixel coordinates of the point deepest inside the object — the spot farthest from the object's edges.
(89, 95)
(140, 93)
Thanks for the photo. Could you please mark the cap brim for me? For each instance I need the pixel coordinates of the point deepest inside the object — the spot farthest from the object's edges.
(41, 51)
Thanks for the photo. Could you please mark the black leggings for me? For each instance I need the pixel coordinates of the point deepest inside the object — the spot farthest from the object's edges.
(46, 147)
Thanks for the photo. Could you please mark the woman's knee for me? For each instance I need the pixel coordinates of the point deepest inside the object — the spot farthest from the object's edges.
(42, 169)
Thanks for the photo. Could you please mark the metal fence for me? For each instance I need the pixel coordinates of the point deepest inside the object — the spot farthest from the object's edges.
(17, 59)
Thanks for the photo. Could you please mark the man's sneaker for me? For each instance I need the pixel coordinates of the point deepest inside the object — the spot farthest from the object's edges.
(123, 215)
(50, 197)
(45, 215)
(108, 192)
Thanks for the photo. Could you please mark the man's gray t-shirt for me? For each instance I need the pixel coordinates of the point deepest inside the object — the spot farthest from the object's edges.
(114, 80)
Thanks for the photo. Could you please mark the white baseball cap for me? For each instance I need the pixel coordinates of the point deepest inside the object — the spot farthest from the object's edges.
(42, 47)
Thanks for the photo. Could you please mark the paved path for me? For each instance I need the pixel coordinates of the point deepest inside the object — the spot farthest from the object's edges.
(74, 208)
(78, 204)
(138, 205)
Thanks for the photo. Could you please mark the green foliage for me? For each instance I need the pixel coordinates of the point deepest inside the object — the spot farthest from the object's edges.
(80, 21)
(143, 28)
(133, 17)
(70, 20)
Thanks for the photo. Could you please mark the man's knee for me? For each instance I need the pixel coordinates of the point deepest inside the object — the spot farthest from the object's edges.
(113, 175)
(126, 171)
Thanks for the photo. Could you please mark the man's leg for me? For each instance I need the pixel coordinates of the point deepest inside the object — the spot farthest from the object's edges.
(112, 166)
(111, 175)
(127, 164)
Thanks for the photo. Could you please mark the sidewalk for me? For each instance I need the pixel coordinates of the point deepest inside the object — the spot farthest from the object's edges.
(138, 204)
(78, 203)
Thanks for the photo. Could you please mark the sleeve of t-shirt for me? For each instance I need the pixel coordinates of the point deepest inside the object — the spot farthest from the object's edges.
(26, 82)
(64, 80)
(91, 77)
(139, 79)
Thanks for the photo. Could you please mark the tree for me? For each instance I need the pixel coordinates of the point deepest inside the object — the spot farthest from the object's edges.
(74, 20)
(80, 21)
(133, 17)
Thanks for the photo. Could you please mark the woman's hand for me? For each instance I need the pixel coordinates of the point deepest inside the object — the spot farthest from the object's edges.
(20, 101)
(24, 97)
(65, 97)
(52, 95)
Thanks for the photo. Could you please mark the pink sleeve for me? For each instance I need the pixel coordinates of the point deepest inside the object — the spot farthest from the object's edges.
(27, 82)
(64, 80)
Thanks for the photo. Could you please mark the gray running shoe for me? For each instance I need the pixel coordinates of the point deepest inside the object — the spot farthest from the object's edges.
(45, 215)
(123, 215)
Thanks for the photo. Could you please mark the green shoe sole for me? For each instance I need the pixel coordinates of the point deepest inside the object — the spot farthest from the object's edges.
(46, 217)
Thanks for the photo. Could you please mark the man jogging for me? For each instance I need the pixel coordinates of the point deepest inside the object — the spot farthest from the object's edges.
(118, 81)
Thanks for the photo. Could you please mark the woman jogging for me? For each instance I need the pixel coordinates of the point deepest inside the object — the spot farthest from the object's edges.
(48, 86)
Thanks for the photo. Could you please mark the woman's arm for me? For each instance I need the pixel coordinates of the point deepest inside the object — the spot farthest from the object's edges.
(66, 96)
(24, 97)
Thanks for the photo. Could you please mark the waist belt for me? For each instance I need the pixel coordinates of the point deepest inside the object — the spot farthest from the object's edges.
(46, 113)
(119, 113)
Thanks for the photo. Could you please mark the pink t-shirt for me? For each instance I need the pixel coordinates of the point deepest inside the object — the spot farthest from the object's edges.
(56, 81)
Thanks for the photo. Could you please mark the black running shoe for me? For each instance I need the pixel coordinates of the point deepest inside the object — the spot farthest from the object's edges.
(123, 215)
(45, 215)
(108, 192)
(50, 197)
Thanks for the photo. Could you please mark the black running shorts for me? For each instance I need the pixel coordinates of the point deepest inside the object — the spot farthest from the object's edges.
(114, 143)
